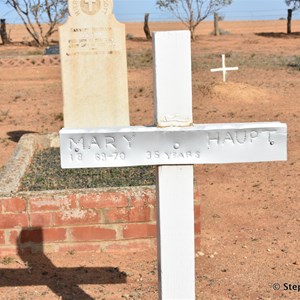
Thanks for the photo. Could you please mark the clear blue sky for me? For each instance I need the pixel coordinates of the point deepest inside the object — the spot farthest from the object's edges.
(134, 10)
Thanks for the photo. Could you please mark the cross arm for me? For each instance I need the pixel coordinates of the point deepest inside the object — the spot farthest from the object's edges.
(224, 69)
(198, 144)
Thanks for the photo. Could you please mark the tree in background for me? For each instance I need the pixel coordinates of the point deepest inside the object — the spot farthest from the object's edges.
(192, 12)
(40, 17)
(3, 33)
(294, 4)
(146, 27)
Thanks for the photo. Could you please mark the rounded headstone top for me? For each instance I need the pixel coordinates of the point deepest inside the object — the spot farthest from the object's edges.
(90, 7)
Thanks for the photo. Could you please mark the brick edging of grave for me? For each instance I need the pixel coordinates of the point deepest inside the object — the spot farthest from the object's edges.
(102, 219)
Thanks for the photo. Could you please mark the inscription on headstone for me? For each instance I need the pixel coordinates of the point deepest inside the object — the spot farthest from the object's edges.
(94, 67)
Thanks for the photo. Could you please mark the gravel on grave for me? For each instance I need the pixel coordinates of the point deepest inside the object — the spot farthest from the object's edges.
(45, 173)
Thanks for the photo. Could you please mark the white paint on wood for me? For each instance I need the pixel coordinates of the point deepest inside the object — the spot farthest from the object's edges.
(224, 69)
(173, 102)
(198, 144)
(173, 79)
(176, 232)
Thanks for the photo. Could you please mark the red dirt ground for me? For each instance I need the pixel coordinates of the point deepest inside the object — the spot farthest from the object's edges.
(250, 212)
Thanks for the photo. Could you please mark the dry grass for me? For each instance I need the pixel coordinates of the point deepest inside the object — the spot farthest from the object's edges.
(45, 173)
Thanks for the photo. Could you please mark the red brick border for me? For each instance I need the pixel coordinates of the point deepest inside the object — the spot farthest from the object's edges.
(115, 219)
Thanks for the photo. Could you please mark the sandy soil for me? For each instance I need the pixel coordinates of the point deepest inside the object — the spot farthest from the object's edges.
(250, 212)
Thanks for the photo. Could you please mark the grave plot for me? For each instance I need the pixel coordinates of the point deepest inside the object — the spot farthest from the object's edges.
(252, 223)
(127, 146)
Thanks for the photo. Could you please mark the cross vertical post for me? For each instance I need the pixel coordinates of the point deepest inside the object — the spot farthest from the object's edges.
(224, 67)
(175, 197)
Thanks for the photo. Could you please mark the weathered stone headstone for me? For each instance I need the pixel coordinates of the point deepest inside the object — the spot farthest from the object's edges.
(94, 67)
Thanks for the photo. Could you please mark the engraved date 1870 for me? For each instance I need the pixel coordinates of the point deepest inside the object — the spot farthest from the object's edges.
(102, 156)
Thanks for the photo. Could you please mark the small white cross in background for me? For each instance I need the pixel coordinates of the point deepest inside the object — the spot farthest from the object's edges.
(224, 69)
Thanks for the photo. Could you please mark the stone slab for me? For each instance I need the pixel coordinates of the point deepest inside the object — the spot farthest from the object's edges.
(12, 173)
(94, 66)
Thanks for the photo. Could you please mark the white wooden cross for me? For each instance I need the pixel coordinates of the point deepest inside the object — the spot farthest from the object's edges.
(224, 69)
(174, 145)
